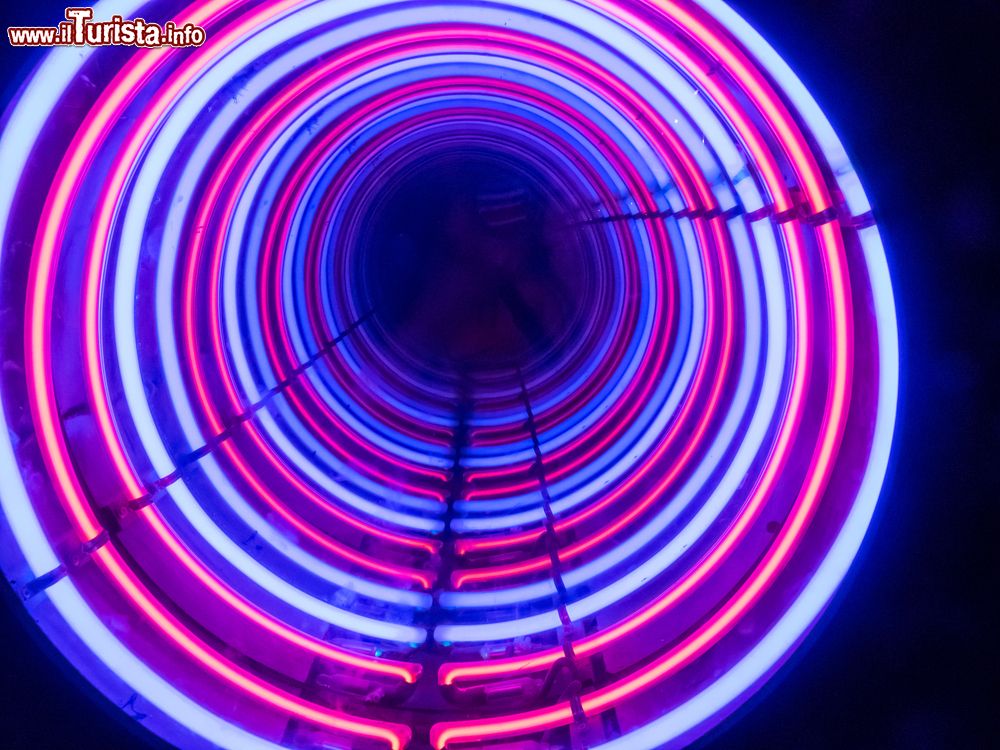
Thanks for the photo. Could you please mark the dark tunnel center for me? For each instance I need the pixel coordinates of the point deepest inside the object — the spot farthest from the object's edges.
(472, 262)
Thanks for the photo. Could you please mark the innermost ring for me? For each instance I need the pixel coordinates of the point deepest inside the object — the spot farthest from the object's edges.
(470, 262)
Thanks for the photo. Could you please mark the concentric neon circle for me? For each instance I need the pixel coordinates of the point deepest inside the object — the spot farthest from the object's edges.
(253, 514)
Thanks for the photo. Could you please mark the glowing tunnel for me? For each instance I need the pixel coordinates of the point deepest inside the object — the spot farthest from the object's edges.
(435, 374)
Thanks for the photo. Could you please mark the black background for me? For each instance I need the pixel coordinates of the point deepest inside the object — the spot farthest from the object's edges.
(905, 656)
